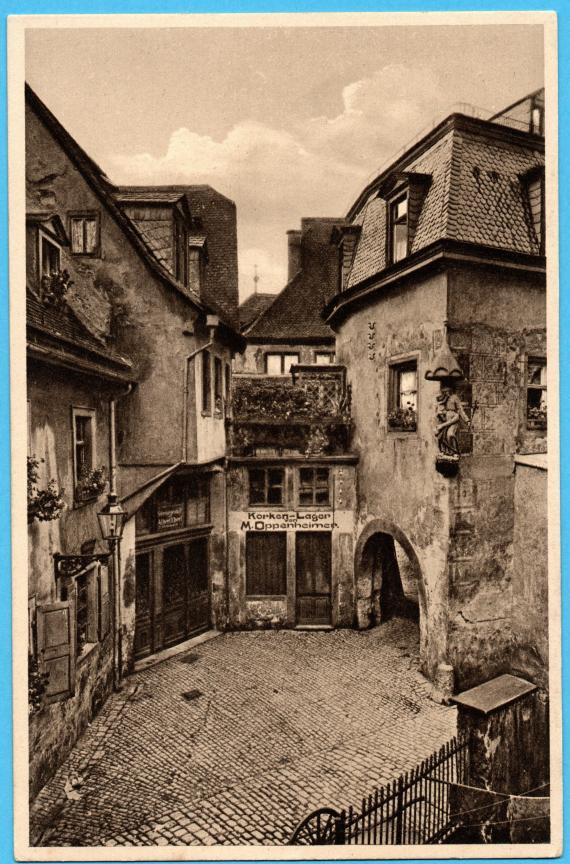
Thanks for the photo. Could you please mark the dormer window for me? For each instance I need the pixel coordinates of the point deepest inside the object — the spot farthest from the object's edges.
(399, 229)
(50, 257)
(534, 182)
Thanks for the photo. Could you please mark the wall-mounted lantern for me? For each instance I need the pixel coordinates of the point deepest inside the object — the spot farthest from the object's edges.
(112, 520)
(449, 410)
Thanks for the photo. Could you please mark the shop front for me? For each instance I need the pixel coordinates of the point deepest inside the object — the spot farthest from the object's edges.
(172, 583)
(290, 538)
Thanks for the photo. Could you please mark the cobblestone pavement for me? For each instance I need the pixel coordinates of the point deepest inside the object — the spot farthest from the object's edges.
(238, 739)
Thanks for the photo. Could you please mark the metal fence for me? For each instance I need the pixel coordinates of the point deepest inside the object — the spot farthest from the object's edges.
(417, 808)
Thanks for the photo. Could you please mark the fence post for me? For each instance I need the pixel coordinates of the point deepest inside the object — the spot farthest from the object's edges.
(399, 810)
(340, 829)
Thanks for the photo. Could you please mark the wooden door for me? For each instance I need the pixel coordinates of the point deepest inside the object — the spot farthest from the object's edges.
(198, 617)
(313, 577)
(144, 642)
(174, 595)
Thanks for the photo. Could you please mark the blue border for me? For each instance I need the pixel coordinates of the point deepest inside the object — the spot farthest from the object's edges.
(13, 7)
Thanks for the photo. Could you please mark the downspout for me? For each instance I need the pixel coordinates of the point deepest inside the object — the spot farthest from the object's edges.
(116, 581)
(212, 322)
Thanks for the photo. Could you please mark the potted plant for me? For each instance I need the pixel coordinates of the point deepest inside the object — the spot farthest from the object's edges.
(404, 419)
(43, 504)
(91, 483)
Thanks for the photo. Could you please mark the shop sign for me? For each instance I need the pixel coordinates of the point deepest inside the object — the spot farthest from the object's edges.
(288, 520)
(170, 516)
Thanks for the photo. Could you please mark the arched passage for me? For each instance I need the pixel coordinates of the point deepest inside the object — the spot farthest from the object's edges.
(388, 575)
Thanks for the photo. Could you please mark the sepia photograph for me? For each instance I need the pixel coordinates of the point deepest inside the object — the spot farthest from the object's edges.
(284, 386)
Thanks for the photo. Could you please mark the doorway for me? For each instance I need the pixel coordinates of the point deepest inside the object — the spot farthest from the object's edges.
(172, 598)
(313, 578)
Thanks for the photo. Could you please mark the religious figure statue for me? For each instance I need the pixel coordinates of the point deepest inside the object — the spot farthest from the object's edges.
(449, 411)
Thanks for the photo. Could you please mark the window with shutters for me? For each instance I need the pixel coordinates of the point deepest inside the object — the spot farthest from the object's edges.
(266, 485)
(266, 563)
(92, 608)
(56, 648)
(313, 486)
(83, 422)
(84, 233)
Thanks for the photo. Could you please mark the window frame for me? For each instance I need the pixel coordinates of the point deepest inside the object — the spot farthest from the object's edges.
(206, 382)
(80, 412)
(535, 424)
(397, 366)
(267, 486)
(314, 486)
(278, 537)
(393, 221)
(282, 355)
(85, 215)
(218, 387)
(329, 354)
(43, 237)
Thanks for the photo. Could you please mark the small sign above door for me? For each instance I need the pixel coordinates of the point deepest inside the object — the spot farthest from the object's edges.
(288, 520)
(170, 516)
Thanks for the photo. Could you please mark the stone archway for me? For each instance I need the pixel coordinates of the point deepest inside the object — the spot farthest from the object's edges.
(389, 579)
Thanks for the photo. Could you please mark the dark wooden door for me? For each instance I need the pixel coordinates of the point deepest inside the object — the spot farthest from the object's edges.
(144, 606)
(174, 595)
(313, 577)
(198, 588)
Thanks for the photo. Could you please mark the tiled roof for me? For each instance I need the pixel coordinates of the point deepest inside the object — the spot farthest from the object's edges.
(476, 195)
(157, 234)
(63, 325)
(252, 307)
(107, 192)
(296, 311)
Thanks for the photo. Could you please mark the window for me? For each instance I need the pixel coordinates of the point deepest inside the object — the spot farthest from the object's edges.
(84, 231)
(50, 257)
(324, 357)
(92, 608)
(198, 501)
(83, 444)
(266, 485)
(280, 364)
(206, 383)
(313, 486)
(266, 563)
(218, 403)
(180, 503)
(403, 396)
(535, 191)
(228, 381)
(536, 403)
(399, 229)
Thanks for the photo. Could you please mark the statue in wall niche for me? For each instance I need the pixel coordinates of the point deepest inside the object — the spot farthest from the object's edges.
(449, 411)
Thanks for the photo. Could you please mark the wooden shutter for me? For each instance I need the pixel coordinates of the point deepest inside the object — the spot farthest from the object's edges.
(104, 601)
(56, 648)
(266, 563)
(93, 604)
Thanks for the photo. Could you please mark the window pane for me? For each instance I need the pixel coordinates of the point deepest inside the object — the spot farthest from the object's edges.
(400, 241)
(266, 560)
(306, 476)
(324, 358)
(90, 235)
(273, 364)
(77, 235)
(218, 380)
(256, 486)
(323, 475)
(401, 209)
(322, 496)
(289, 360)
(206, 382)
(306, 496)
(408, 389)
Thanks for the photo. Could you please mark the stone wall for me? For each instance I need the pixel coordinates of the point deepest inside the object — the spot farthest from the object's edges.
(399, 491)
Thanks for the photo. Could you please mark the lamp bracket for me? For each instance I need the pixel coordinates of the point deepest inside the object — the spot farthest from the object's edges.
(71, 565)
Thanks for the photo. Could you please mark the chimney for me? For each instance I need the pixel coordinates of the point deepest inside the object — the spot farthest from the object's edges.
(294, 253)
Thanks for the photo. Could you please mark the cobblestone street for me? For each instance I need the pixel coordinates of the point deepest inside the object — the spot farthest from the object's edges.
(239, 738)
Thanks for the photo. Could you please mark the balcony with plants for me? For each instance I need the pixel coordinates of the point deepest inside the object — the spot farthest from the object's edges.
(308, 412)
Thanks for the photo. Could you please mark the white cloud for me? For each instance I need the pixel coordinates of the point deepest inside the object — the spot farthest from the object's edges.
(276, 176)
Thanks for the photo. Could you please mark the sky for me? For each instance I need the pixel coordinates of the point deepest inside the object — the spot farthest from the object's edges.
(286, 121)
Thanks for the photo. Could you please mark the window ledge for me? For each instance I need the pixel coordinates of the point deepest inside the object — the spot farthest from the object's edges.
(258, 597)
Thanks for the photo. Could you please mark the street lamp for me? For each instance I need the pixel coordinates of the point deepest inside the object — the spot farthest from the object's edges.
(112, 520)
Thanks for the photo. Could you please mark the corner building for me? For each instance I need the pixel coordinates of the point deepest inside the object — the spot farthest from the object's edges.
(443, 305)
